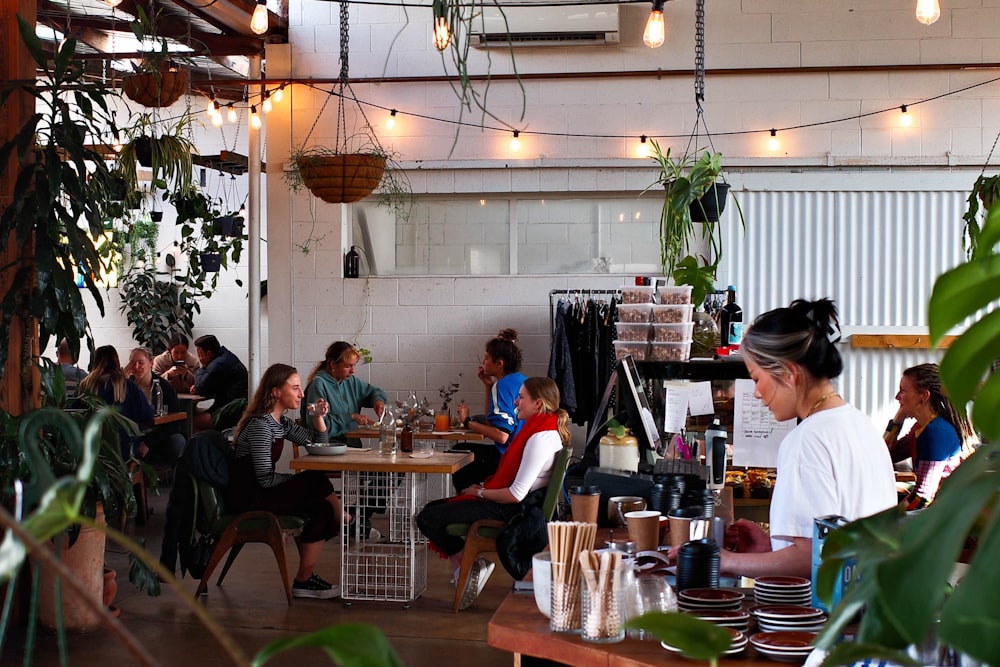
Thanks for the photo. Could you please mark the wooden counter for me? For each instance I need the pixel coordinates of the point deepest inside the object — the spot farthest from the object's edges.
(518, 628)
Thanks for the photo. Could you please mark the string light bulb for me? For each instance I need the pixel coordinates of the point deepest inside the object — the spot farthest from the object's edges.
(278, 94)
(442, 32)
(515, 143)
(258, 22)
(390, 122)
(642, 150)
(254, 118)
(232, 113)
(656, 30)
(773, 144)
(210, 105)
(905, 119)
(217, 119)
(928, 11)
(113, 3)
(266, 104)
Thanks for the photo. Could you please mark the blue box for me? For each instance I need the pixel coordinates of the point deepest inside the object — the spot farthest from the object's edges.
(823, 526)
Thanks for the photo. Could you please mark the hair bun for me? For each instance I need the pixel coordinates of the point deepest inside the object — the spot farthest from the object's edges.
(509, 335)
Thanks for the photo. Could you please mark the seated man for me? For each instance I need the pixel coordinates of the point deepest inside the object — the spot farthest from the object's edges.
(222, 377)
(72, 374)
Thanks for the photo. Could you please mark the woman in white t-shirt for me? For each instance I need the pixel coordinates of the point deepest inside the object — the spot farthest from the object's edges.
(833, 462)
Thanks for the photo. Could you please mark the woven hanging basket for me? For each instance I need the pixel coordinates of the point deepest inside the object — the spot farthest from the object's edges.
(341, 179)
(156, 89)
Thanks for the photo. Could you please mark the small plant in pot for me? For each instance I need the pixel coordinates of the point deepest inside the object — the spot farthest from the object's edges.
(164, 147)
(158, 79)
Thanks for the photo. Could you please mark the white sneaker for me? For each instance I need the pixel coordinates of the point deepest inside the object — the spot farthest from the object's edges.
(478, 576)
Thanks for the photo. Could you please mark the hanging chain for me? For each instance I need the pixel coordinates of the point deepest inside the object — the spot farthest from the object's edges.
(699, 53)
(344, 43)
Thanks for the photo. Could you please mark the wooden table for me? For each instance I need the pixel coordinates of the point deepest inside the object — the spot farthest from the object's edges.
(519, 628)
(394, 569)
(169, 418)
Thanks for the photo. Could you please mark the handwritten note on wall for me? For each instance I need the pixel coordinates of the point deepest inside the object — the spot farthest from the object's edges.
(756, 433)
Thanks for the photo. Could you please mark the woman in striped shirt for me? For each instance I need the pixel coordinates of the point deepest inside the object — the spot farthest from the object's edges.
(255, 485)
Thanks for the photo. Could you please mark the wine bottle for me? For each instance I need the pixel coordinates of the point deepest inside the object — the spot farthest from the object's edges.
(352, 263)
(731, 321)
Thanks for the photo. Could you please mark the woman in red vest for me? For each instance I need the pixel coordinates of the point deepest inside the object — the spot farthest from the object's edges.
(524, 468)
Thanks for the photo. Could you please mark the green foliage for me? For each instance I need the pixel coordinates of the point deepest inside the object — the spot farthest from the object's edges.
(170, 151)
(156, 309)
(616, 428)
(347, 644)
(60, 198)
(695, 638)
(985, 191)
(701, 277)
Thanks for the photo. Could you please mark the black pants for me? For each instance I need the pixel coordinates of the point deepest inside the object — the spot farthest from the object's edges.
(439, 514)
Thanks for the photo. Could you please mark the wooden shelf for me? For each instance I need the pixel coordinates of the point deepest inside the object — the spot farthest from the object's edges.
(897, 341)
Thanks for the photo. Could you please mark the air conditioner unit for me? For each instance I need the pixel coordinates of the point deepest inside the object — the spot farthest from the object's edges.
(545, 26)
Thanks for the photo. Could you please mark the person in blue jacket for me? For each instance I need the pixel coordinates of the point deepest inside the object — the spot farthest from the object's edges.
(501, 377)
(222, 377)
(107, 381)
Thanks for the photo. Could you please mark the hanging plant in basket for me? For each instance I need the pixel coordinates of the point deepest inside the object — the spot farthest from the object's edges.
(356, 165)
(158, 79)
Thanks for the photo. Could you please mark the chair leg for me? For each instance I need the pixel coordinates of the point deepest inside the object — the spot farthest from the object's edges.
(276, 540)
(233, 553)
(226, 541)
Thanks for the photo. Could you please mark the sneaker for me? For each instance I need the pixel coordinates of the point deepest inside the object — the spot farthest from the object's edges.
(478, 576)
(315, 587)
(366, 533)
(454, 577)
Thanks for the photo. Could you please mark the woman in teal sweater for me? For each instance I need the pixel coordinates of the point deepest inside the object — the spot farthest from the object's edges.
(334, 381)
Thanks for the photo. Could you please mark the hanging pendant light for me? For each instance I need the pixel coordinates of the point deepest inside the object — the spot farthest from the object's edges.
(656, 31)
(928, 11)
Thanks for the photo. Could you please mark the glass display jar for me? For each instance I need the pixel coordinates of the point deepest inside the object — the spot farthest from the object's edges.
(705, 337)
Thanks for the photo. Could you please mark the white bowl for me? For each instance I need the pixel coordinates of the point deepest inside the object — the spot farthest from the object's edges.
(541, 576)
(326, 450)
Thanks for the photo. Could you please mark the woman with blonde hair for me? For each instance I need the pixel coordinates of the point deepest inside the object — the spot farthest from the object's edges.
(524, 469)
(255, 485)
(107, 381)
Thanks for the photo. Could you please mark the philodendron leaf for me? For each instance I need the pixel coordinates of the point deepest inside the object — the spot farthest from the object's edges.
(849, 653)
(695, 638)
(970, 619)
(986, 411)
(347, 644)
(968, 359)
(962, 291)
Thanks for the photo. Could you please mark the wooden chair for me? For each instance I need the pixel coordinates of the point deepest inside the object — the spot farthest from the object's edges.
(481, 536)
(231, 532)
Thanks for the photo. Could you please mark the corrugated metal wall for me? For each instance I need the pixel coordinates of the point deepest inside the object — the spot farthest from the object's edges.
(875, 253)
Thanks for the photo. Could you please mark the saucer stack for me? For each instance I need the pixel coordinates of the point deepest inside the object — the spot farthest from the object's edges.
(792, 647)
(709, 599)
(739, 642)
(782, 590)
(726, 618)
(781, 617)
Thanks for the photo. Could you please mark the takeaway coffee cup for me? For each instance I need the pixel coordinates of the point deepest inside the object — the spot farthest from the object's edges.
(585, 501)
(644, 529)
(680, 523)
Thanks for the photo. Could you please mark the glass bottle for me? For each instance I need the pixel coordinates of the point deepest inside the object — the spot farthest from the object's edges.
(156, 398)
(387, 433)
(406, 438)
(731, 320)
(352, 263)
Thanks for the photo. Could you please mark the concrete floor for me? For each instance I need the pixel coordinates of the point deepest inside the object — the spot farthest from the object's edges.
(250, 607)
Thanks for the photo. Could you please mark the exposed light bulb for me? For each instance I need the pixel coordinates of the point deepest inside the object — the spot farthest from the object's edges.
(113, 3)
(258, 22)
(642, 150)
(117, 146)
(232, 114)
(266, 104)
(773, 144)
(390, 122)
(515, 143)
(656, 30)
(210, 105)
(928, 11)
(278, 94)
(254, 118)
(442, 33)
(217, 120)
(905, 119)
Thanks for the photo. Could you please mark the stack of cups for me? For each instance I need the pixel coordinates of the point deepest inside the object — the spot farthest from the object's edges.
(698, 565)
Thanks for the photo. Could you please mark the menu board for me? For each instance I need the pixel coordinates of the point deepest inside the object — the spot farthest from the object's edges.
(756, 433)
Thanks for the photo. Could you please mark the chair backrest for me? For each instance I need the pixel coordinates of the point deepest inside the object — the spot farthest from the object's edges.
(206, 460)
(554, 488)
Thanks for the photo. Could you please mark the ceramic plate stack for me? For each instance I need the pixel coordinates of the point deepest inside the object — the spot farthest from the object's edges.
(792, 647)
(780, 617)
(709, 599)
(782, 590)
(727, 618)
(739, 643)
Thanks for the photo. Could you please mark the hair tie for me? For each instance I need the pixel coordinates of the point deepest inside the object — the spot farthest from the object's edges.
(830, 329)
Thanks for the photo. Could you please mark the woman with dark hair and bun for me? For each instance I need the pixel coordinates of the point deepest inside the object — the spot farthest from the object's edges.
(833, 462)
(941, 438)
(501, 378)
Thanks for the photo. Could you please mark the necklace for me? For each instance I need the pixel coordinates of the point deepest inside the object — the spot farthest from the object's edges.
(821, 400)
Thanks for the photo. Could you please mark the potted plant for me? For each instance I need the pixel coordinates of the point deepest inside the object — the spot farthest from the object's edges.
(985, 191)
(905, 561)
(158, 80)
(164, 147)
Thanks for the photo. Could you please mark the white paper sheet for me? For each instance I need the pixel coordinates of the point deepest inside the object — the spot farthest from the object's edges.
(700, 398)
(675, 398)
(756, 433)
